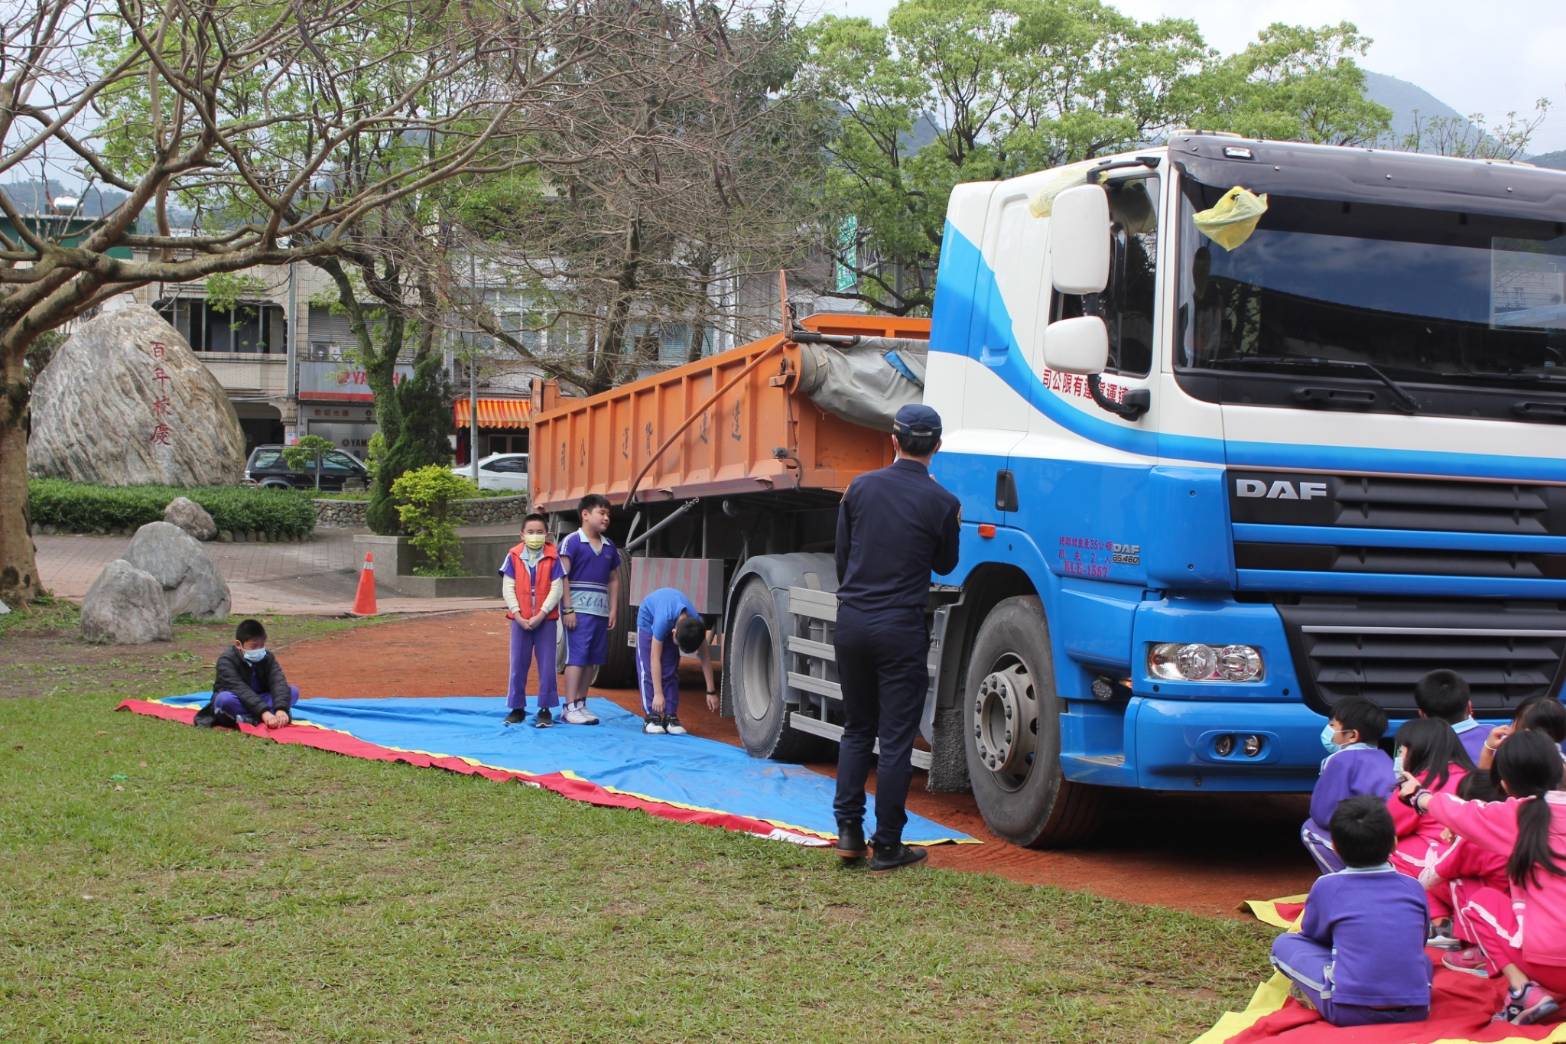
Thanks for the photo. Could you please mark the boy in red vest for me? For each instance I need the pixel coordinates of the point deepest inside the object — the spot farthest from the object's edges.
(530, 583)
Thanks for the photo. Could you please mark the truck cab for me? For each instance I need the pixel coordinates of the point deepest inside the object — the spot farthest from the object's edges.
(1209, 490)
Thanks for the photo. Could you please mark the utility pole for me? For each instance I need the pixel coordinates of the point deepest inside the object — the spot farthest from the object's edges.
(472, 381)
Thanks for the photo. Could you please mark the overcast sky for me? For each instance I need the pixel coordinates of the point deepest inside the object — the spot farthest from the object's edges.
(1489, 58)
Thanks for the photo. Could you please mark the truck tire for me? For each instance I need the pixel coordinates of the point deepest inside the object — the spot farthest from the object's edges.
(619, 669)
(753, 669)
(1011, 719)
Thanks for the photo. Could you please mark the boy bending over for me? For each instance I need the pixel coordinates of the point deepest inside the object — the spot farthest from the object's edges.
(667, 618)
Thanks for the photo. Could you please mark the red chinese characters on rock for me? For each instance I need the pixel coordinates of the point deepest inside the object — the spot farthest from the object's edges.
(162, 405)
(1077, 385)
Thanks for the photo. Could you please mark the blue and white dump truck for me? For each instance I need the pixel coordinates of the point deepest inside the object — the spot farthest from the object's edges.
(1207, 489)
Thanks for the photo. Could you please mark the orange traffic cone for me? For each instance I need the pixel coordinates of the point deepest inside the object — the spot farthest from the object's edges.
(364, 600)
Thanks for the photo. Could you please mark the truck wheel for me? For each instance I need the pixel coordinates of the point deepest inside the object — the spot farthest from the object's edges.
(753, 668)
(619, 669)
(1011, 721)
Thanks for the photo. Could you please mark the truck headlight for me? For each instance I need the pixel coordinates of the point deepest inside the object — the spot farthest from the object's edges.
(1194, 661)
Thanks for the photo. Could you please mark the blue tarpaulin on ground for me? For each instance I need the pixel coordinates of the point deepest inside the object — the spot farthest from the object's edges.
(616, 755)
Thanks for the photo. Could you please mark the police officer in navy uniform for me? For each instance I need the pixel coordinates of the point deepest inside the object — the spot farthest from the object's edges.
(895, 527)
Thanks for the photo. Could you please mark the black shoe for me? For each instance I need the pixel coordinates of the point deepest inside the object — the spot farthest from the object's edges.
(850, 842)
(891, 857)
(543, 719)
(516, 717)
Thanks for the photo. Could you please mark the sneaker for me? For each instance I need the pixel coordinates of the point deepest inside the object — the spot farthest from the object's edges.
(1441, 936)
(895, 856)
(1469, 960)
(543, 719)
(672, 726)
(576, 714)
(653, 725)
(516, 717)
(1526, 1006)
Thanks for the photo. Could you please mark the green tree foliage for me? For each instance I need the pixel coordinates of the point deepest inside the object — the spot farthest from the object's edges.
(952, 91)
(423, 407)
(423, 499)
(1473, 137)
(307, 452)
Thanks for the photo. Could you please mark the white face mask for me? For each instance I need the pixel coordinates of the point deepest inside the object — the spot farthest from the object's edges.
(254, 655)
(1331, 745)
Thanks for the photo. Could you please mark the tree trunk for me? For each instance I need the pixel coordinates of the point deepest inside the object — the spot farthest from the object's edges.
(19, 583)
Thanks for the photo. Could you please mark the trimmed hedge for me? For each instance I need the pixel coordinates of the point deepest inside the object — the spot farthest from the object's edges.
(79, 508)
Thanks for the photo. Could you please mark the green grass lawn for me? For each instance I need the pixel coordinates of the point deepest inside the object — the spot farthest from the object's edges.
(163, 882)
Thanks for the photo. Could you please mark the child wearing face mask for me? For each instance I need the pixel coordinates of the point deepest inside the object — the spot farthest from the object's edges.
(530, 584)
(250, 688)
(1354, 766)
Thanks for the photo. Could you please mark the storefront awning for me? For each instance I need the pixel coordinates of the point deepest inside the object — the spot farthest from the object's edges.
(493, 413)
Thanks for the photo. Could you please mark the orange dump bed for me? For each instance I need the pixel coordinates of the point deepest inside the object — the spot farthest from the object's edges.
(729, 424)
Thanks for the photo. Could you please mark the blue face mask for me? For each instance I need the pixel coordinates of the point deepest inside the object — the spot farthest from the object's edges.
(1327, 741)
(254, 655)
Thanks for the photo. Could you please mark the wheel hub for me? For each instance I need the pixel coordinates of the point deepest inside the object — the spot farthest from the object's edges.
(1004, 720)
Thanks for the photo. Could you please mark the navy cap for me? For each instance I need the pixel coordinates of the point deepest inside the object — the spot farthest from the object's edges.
(916, 419)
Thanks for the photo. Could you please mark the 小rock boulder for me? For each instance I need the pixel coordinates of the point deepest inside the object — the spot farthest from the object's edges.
(125, 606)
(191, 517)
(180, 565)
(125, 402)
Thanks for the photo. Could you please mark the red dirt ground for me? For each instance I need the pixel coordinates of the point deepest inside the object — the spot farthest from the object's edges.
(1200, 853)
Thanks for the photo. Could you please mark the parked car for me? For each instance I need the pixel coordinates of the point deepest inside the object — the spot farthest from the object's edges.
(498, 471)
(268, 468)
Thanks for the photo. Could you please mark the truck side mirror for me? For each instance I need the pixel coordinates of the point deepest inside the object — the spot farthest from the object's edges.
(1079, 240)
(1079, 345)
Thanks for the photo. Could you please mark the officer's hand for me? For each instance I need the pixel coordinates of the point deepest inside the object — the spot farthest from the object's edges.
(712, 702)
(612, 617)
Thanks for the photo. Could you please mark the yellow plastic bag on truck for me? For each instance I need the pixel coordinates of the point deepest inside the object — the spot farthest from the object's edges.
(1231, 220)
(1042, 203)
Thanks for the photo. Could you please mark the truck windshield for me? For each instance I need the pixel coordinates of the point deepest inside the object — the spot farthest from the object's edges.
(1398, 294)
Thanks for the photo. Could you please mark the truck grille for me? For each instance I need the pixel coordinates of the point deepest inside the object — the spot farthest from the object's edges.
(1379, 649)
(1373, 502)
(1334, 558)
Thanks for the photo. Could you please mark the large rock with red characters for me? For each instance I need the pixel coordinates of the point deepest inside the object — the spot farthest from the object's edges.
(125, 402)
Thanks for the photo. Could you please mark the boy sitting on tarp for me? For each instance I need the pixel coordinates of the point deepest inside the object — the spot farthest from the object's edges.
(667, 624)
(249, 687)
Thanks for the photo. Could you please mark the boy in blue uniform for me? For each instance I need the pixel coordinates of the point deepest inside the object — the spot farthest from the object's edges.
(1359, 956)
(1444, 695)
(590, 568)
(1354, 766)
(530, 583)
(667, 617)
(249, 687)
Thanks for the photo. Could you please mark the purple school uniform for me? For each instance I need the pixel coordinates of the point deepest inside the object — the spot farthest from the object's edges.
(655, 618)
(1356, 769)
(1360, 950)
(527, 647)
(588, 571)
(1472, 736)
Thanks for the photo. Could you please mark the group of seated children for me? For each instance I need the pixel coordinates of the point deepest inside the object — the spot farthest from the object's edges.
(1457, 845)
(578, 583)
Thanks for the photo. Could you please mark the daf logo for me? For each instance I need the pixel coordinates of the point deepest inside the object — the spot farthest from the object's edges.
(1256, 489)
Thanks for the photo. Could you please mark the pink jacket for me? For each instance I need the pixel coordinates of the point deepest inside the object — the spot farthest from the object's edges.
(1540, 903)
(1411, 823)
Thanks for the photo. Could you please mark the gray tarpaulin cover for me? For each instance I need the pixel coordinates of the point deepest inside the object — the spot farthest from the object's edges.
(867, 383)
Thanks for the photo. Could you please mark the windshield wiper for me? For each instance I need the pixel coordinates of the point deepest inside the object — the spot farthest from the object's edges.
(1318, 363)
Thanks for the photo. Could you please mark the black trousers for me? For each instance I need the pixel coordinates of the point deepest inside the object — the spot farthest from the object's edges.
(881, 667)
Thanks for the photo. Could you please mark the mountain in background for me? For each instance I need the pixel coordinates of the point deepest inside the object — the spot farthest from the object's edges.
(33, 196)
(1405, 99)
